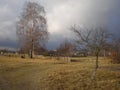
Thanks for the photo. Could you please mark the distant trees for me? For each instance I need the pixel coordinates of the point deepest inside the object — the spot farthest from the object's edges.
(94, 39)
(115, 50)
(32, 27)
(66, 49)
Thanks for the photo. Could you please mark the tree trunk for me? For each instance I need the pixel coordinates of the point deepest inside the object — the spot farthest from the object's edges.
(97, 61)
(96, 67)
(32, 50)
(31, 55)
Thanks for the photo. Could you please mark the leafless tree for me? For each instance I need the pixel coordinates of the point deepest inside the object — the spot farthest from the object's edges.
(94, 39)
(32, 27)
(66, 49)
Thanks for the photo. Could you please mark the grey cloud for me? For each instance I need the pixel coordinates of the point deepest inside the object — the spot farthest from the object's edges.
(8, 44)
(61, 14)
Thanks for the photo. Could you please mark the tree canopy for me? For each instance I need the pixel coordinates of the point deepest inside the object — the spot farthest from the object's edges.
(32, 26)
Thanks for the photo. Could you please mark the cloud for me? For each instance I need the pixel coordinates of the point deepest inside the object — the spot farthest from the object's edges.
(86, 13)
(61, 14)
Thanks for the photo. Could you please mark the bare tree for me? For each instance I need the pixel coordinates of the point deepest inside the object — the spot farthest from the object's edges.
(94, 39)
(66, 49)
(32, 27)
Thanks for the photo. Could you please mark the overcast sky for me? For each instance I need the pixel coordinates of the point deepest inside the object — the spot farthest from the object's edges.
(60, 14)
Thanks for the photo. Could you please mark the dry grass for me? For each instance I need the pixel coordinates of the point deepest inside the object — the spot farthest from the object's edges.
(50, 74)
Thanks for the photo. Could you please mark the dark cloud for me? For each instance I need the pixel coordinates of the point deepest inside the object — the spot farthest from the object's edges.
(7, 44)
(61, 14)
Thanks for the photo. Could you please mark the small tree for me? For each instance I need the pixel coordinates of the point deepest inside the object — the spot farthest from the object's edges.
(32, 27)
(93, 39)
(66, 49)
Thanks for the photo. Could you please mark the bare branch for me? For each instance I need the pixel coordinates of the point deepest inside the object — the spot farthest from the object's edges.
(32, 26)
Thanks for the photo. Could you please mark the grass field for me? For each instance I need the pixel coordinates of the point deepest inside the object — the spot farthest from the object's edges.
(50, 74)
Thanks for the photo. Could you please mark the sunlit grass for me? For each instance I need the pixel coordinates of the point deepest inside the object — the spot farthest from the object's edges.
(50, 74)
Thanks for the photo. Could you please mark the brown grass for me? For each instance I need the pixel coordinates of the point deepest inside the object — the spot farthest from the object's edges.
(51, 74)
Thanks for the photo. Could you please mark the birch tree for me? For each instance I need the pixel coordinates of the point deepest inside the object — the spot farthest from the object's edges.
(32, 27)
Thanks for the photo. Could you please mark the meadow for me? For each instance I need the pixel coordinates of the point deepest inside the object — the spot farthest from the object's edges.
(47, 73)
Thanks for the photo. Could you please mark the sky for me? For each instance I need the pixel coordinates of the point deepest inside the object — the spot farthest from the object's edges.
(60, 15)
